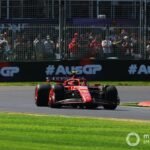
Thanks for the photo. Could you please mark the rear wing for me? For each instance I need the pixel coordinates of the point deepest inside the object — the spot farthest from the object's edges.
(56, 79)
(60, 79)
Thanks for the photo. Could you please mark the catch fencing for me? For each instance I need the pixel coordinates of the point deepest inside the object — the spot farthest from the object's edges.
(42, 30)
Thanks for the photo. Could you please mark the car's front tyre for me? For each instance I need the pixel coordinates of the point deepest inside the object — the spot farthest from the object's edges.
(55, 95)
(42, 94)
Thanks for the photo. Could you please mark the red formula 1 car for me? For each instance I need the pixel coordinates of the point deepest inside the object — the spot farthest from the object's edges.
(76, 92)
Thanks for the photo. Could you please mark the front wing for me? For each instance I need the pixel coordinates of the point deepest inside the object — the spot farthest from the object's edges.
(79, 101)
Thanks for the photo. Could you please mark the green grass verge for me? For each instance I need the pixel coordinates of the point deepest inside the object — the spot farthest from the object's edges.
(133, 104)
(35, 132)
(116, 83)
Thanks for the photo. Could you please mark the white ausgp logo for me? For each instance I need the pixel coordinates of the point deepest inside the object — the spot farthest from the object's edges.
(9, 71)
(66, 70)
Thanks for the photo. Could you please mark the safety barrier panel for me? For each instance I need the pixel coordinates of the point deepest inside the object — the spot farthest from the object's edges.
(111, 70)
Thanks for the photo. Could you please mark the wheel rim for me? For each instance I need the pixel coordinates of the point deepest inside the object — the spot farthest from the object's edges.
(51, 98)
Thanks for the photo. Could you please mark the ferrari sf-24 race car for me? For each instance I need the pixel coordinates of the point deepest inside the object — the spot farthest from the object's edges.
(76, 92)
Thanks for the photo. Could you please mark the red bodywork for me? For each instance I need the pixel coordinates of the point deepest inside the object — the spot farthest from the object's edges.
(77, 93)
(84, 92)
(80, 85)
(77, 84)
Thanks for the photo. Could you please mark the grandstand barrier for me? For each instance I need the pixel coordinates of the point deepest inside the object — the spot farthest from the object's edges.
(105, 70)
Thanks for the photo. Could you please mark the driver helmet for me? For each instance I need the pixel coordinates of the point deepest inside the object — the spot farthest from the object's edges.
(75, 82)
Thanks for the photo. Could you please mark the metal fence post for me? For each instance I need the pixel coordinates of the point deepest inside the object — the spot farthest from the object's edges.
(145, 27)
(60, 28)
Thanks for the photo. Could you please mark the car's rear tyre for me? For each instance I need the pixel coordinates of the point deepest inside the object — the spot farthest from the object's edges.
(111, 97)
(55, 95)
(42, 94)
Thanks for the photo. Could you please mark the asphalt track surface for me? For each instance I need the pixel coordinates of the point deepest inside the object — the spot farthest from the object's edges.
(21, 99)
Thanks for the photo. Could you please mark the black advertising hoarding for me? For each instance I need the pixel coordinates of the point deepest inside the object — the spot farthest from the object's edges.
(110, 70)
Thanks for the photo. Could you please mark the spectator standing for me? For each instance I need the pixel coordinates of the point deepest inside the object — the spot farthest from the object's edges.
(30, 53)
(49, 47)
(2, 44)
(148, 50)
(95, 48)
(20, 49)
(107, 47)
(116, 45)
(134, 47)
(4, 47)
(73, 46)
(38, 44)
(126, 46)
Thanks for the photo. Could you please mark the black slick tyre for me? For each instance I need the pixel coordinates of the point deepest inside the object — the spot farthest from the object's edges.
(111, 97)
(42, 94)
